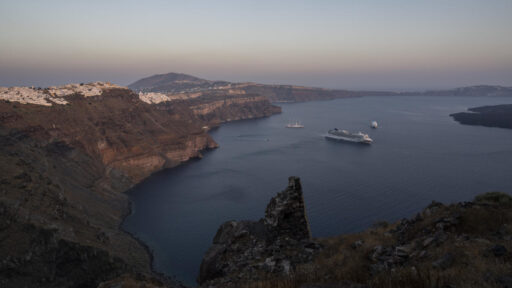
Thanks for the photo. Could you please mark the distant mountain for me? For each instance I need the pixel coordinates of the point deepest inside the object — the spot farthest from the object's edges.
(182, 83)
(174, 82)
(479, 90)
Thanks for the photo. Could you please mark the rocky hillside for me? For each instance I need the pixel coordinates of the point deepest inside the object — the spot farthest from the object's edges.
(66, 160)
(466, 244)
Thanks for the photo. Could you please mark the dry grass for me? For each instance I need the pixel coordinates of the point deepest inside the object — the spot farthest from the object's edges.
(474, 263)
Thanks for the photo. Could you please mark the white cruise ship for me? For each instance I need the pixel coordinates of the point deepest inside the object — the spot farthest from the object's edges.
(344, 135)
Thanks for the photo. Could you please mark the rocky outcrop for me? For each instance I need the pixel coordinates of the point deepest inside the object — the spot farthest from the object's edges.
(274, 245)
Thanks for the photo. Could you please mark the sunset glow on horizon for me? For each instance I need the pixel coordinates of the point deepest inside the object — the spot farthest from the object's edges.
(334, 44)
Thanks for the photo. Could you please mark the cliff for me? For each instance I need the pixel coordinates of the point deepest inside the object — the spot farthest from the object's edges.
(66, 159)
(225, 108)
(465, 244)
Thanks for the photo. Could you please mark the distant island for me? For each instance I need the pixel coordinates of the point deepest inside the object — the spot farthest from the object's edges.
(489, 116)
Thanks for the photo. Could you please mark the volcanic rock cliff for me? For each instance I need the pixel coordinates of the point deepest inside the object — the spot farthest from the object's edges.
(64, 168)
(247, 250)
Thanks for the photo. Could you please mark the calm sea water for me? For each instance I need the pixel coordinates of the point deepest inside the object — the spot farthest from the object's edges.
(419, 154)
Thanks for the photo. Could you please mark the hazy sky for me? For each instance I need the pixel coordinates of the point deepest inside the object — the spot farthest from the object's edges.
(360, 44)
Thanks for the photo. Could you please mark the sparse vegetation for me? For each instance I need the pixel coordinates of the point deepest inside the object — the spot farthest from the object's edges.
(495, 197)
(476, 235)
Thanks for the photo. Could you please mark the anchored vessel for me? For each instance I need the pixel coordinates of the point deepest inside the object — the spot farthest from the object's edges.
(375, 125)
(358, 137)
(295, 125)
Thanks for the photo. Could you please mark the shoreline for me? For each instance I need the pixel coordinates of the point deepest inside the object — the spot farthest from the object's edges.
(159, 275)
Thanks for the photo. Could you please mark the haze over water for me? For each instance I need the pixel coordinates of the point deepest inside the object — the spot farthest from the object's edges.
(419, 154)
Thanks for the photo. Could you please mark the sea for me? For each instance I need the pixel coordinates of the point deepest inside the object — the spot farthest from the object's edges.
(419, 154)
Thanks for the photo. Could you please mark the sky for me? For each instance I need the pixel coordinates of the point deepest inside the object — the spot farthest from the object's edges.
(360, 44)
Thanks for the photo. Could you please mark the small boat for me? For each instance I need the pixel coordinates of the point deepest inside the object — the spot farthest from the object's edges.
(295, 125)
(344, 135)
(374, 124)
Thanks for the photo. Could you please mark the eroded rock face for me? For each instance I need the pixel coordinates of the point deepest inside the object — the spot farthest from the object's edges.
(285, 215)
(247, 250)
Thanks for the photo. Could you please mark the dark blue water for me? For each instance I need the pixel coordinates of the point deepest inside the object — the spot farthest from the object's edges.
(419, 154)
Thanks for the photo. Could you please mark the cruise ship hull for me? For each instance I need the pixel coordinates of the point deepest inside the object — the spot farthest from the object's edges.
(341, 138)
(344, 135)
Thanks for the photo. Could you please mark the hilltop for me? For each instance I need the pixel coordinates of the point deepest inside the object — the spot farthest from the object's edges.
(174, 82)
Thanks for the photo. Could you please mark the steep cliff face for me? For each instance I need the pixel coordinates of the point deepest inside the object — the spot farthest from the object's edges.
(275, 245)
(126, 134)
(54, 197)
(64, 168)
(225, 108)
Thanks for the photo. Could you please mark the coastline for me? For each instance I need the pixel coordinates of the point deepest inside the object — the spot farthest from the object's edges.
(159, 275)
(144, 245)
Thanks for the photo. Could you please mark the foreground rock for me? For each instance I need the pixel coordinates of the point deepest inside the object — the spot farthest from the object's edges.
(248, 250)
